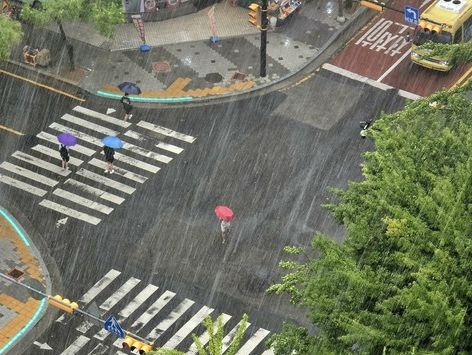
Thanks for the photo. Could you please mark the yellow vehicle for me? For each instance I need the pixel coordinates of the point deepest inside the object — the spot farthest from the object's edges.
(444, 21)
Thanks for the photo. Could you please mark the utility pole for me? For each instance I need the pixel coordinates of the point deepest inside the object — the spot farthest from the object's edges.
(264, 23)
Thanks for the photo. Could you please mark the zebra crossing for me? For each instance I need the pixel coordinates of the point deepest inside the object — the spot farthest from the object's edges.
(160, 316)
(85, 193)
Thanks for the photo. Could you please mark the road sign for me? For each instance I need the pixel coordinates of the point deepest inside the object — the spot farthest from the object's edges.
(112, 325)
(412, 14)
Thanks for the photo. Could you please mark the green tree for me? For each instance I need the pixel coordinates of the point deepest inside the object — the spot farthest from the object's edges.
(10, 33)
(457, 53)
(103, 14)
(215, 342)
(401, 282)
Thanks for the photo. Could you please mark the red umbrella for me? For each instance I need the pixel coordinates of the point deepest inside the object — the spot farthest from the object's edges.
(223, 212)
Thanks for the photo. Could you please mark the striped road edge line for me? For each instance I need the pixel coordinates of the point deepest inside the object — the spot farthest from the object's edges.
(145, 99)
(349, 74)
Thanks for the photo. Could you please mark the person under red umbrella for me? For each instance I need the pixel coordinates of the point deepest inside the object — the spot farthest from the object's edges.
(226, 215)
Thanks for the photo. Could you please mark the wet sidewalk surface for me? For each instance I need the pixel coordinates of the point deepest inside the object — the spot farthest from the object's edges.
(20, 309)
(184, 63)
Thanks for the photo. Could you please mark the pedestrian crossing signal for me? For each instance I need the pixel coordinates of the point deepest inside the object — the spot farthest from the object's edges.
(62, 303)
(133, 344)
(255, 15)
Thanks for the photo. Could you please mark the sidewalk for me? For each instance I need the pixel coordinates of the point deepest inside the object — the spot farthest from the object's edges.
(20, 309)
(183, 65)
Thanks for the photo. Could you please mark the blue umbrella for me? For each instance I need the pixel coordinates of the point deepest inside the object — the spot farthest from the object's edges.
(112, 142)
(129, 88)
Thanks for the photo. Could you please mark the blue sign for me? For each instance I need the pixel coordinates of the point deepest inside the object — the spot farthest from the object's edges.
(112, 325)
(412, 15)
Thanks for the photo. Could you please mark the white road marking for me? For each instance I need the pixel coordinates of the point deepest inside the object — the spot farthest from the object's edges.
(170, 319)
(101, 116)
(229, 337)
(106, 181)
(41, 163)
(166, 131)
(22, 185)
(137, 301)
(355, 76)
(147, 153)
(205, 337)
(84, 123)
(99, 286)
(119, 171)
(55, 154)
(110, 110)
(394, 65)
(53, 139)
(82, 201)
(75, 347)
(253, 342)
(268, 352)
(408, 95)
(28, 174)
(188, 327)
(152, 310)
(135, 162)
(169, 147)
(135, 135)
(84, 327)
(96, 192)
(70, 212)
(80, 135)
(118, 295)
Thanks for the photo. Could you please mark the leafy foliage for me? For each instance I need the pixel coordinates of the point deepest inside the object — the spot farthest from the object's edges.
(10, 33)
(456, 53)
(401, 283)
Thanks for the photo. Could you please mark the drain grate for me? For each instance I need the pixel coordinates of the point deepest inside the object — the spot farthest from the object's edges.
(15, 273)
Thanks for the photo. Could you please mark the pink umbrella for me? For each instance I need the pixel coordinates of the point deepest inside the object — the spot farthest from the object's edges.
(225, 213)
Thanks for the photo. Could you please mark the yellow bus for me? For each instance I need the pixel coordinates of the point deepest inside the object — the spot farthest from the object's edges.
(444, 21)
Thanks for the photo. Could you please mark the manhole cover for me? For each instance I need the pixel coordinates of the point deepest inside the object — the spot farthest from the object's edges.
(213, 77)
(15, 273)
(239, 76)
(161, 67)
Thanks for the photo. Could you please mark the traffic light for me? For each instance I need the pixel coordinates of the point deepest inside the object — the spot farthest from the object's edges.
(255, 15)
(374, 5)
(62, 303)
(133, 344)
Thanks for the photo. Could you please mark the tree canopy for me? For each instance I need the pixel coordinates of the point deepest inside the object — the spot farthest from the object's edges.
(401, 282)
(10, 33)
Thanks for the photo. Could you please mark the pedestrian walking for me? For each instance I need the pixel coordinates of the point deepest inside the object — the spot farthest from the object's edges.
(64, 152)
(225, 229)
(126, 101)
(364, 127)
(109, 158)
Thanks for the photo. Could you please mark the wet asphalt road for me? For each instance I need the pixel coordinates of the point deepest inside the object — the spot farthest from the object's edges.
(271, 158)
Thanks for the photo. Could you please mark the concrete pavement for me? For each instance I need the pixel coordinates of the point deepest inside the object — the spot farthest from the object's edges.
(183, 65)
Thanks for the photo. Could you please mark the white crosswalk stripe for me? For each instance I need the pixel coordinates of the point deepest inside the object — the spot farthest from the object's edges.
(79, 135)
(101, 116)
(22, 185)
(70, 212)
(158, 313)
(93, 126)
(106, 181)
(170, 319)
(55, 154)
(135, 162)
(53, 139)
(28, 174)
(40, 163)
(188, 327)
(165, 146)
(94, 191)
(119, 171)
(166, 131)
(82, 201)
(146, 153)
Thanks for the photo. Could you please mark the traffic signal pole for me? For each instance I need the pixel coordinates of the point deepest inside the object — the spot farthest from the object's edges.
(264, 23)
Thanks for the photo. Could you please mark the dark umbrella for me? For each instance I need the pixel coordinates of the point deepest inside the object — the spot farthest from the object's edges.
(67, 139)
(112, 142)
(129, 88)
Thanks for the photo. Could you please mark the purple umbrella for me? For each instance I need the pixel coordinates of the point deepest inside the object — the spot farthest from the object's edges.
(68, 139)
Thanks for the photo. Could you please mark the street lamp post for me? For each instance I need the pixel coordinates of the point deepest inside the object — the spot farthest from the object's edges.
(264, 23)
